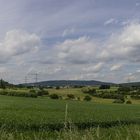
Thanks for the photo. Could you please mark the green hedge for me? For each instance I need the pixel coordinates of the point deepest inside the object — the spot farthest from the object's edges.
(18, 93)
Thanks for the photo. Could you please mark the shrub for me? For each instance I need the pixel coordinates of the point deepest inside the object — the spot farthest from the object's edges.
(119, 101)
(70, 96)
(33, 91)
(111, 96)
(104, 87)
(57, 87)
(124, 90)
(136, 97)
(90, 91)
(4, 92)
(54, 96)
(42, 92)
(18, 93)
(128, 102)
(87, 98)
(78, 98)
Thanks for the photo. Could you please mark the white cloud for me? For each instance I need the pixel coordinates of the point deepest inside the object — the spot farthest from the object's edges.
(111, 21)
(133, 76)
(124, 46)
(78, 51)
(116, 67)
(95, 68)
(87, 56)
(68, 32)
(17, 42)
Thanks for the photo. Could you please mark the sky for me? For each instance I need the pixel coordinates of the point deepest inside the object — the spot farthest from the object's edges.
(70, 40)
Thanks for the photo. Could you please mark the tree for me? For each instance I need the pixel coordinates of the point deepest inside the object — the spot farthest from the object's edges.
(58, 87)
(104, 87)
(54, 96)
(87, 98)
(2, 84)
(70, 96)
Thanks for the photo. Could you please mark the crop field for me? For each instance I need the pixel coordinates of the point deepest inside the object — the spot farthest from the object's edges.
(44, 118)
(44, 113)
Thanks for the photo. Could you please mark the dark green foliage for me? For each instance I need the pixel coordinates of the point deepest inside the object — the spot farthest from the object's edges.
(91, 91)
(119, 101)
(136, 97)
(109, 95)
(78, 98)
(2, 84)
(18, 94)
(128, 102)
(104, 87)
(87, 98)
(54, 96)
(33, 91)
(124, 89)
(42, 92)
(57, 87)
(70, 96)
(77, 86)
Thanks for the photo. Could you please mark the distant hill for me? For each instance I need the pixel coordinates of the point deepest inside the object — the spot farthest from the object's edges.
(130, 84)
(69, 83)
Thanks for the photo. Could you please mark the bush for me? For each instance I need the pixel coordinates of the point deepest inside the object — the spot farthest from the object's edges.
(119, 101)
(124, 90)
(136, 97)
(70, 96)
(54, 96)
(42, 92)
(87, 98)
(111, 95)
(18, 93)
(128, 102)
(33, 91)
(90, 91)
(104, 87)
(57, 87)
(78, 98)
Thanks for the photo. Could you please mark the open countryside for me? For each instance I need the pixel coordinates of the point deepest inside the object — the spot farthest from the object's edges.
(65, 112)
(69, 69)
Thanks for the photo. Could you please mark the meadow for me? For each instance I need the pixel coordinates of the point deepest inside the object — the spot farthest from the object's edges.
(66, 119)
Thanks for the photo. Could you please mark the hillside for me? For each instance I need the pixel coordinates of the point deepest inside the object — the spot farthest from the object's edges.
(69, 83)
(131, 84)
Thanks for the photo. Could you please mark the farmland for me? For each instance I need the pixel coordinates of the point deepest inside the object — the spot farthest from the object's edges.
(34, 113)
(37, 118)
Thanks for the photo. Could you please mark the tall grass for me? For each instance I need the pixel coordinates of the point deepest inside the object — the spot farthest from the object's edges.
(131, 132)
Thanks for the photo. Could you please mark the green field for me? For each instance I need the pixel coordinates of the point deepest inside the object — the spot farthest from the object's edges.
(43, 113)
(44, 118)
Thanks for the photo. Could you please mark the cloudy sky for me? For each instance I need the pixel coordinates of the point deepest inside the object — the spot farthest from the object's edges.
(70, 39)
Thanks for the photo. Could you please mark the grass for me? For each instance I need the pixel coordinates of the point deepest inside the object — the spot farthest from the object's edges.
(42, 118)
(131, 132)
(64, 91)
(46, 114)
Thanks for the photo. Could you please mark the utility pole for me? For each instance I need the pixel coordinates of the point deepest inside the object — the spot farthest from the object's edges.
(35, 77)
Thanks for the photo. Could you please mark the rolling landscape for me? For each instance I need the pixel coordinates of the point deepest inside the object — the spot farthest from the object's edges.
(70, 70)
(64, 112)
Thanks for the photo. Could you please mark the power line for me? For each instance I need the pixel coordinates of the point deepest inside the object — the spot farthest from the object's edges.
(35, 76)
